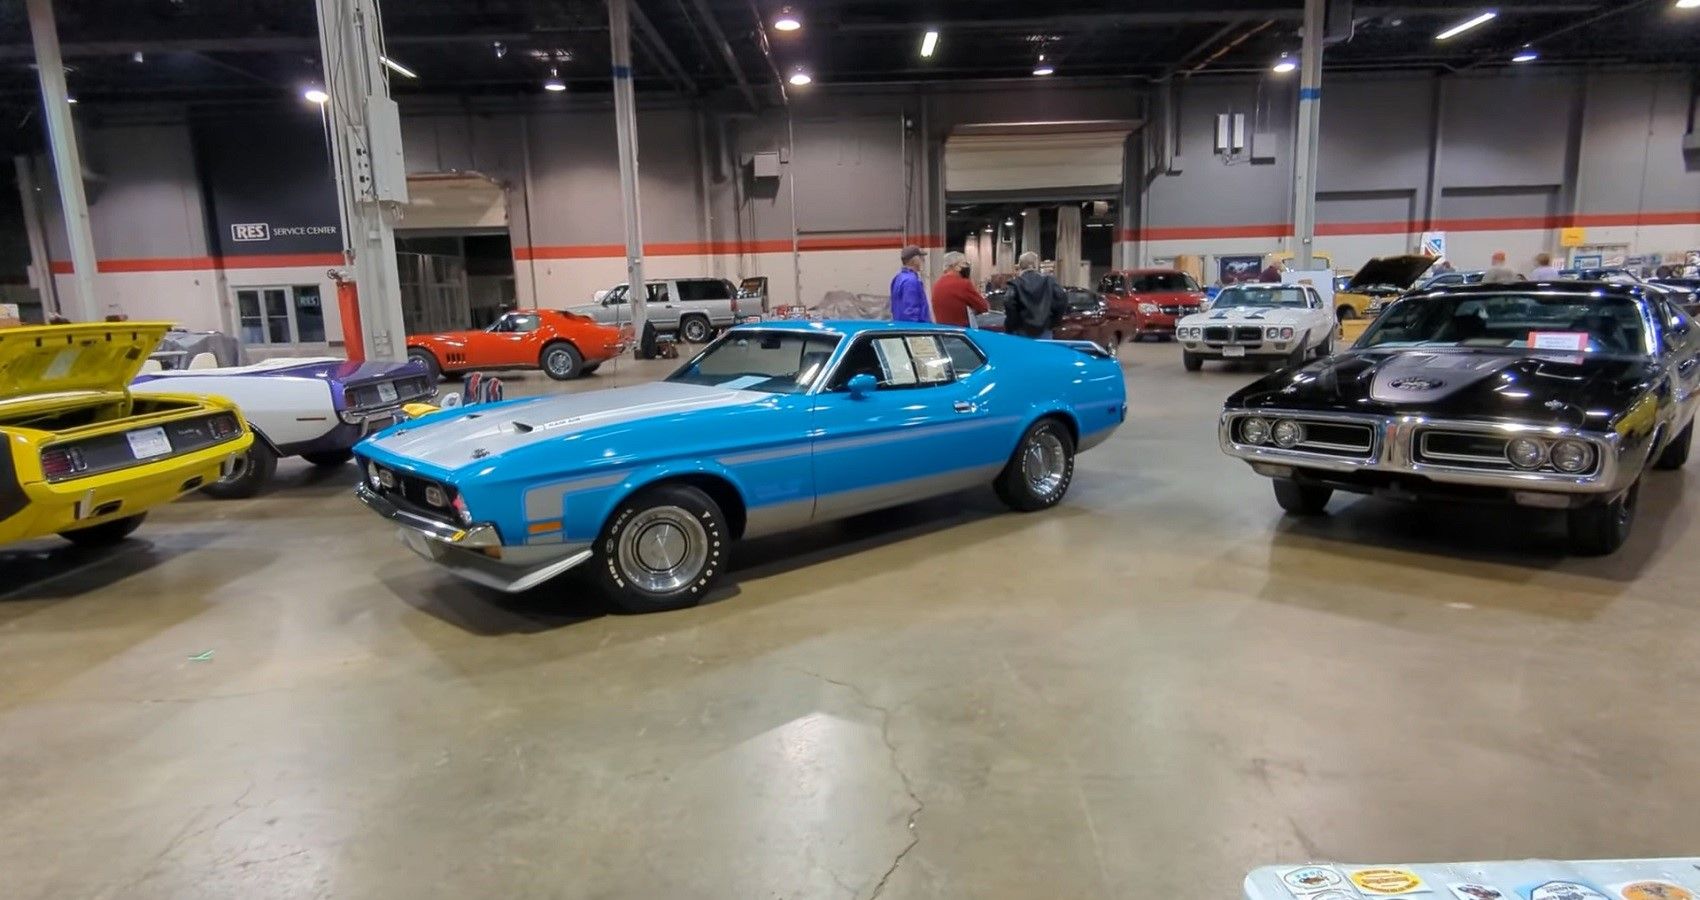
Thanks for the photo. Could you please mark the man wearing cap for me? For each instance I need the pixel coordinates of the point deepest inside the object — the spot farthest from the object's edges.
(908, 294)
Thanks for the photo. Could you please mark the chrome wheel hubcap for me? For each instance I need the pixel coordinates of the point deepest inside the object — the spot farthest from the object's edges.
(663, 549)
(238, 468)
(558, 363)
(1044, 463)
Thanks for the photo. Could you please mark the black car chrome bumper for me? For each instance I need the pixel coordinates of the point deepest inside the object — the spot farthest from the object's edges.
(476, 552)
(1393, 448)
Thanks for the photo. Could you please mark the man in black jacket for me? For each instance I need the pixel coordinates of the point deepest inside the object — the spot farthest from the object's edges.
(1035, 302)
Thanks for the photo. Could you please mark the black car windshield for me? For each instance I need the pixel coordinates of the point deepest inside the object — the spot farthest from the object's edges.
(1259, 296)
(778, 362)
(1082, 301)
(1158, 281)
(1574, 322)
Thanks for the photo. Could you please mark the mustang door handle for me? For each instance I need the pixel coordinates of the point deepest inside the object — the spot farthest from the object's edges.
(963, 406)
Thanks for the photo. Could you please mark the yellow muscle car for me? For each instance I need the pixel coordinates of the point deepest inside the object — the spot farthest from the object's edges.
(82, 457)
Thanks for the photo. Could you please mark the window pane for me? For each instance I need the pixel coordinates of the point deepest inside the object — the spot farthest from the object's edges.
(963, 357)
(277, 302)
(248, 303)
(525, 323)
(277, 329)
(932, 366)
(309, 314)
(252, 333)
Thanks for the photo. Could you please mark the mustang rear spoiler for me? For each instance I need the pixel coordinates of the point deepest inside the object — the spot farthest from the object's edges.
(1086, 347)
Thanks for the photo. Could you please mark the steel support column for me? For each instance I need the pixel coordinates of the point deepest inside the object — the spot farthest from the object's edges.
(625, 129)
(67, 162)
(1310, 119)
(41, 266)
(365, 135)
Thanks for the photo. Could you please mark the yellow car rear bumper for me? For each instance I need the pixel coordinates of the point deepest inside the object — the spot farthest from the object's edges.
(82, 502)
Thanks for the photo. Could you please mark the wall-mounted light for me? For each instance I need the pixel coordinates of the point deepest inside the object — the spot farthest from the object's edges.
(1528, 54)
(929, 43)
(787, 20)
(314, 95)
(1462, 27)
(1285, 64)
(800, 77)
(554, 84)
(397, 68)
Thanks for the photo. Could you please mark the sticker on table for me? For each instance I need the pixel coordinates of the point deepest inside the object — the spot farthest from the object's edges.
(1575, 341)
(1469, 890)
(1306, 881)
(148, 442)
(1389, 881)
(1652, 890)
(1563, 890)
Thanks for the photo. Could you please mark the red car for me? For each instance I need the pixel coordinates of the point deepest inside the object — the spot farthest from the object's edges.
(1155, 298)
(1088, 318)
(562, 344)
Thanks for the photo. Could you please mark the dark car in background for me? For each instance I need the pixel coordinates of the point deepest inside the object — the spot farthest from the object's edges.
(1550, 395)
(1089, 318)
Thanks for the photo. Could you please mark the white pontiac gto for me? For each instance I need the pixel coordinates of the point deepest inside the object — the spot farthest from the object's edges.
(1259, 321)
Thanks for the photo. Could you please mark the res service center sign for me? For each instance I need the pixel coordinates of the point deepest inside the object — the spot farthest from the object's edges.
(260, 231)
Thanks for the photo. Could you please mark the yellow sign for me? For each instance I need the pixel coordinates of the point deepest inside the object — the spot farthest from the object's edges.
(1654, 890)
(1388, 882)
(1572, 237)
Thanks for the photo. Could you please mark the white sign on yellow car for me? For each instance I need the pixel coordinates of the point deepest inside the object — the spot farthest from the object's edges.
(1286, 322)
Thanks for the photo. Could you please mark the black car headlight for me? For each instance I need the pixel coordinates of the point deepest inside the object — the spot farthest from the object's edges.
(1572, 457)
(1525, 453)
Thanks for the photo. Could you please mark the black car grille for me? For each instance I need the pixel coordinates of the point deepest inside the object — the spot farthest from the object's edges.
(1350, 440)
(110, 452)
(1217, 333)
(365, 397)
(1176, 310)
(1475, 451)
(1239, 334)
(408, 491)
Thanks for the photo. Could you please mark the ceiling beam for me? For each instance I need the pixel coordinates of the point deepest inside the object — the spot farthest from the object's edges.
(286, 43)
(1094, 21)
(658, 45)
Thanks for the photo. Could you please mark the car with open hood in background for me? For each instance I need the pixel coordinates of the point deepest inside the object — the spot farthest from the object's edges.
(1289, 323)
(1552, 395)
(563, 344)
(83, 456)
(1382, 278)
(1153, 299)
(773, 426)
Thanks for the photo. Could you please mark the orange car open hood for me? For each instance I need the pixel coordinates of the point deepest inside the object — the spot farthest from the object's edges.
(91, 356)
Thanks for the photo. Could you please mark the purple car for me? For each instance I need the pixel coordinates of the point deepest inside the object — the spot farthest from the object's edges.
(317, 409)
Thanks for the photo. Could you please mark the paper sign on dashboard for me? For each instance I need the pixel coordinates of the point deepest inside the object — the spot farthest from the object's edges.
(1558, 340)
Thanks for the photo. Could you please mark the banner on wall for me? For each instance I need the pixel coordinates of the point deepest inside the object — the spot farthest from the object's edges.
(1434, 244)
(1235, 269)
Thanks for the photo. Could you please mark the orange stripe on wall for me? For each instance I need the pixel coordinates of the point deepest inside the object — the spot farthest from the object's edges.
(716, 248)
(204, 263)
(1505, 223)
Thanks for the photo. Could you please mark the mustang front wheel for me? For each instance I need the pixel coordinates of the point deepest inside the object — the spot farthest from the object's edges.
(248, 476)
(561, 361)
(1038, 473)
(1600, 529)
(106, 533)
(662, 549)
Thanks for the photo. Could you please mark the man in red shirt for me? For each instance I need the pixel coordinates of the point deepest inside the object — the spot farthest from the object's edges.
(954, 295)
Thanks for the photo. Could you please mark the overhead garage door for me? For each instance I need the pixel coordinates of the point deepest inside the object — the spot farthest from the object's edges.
(1030, 161)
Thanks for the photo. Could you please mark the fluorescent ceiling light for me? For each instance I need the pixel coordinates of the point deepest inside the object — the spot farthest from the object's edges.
(1285, 64)
(397, 68)
(314, 95)
(70, 99)
(1527, 55)
(1044, 68)
(800, 77)
(1688, 4)
(787, 20)
(1462, 27)
(931, 41)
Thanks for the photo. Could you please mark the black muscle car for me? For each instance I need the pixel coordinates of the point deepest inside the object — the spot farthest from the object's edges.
(1555, 395)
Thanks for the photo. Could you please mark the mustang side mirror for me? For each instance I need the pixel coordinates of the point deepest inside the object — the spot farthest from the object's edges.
(861, 386)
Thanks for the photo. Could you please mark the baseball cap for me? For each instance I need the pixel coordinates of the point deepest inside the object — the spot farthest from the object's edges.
(910, 252)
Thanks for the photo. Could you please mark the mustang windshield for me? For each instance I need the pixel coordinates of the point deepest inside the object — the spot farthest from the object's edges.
(1571, 321)
(778, 362)
(1259, 296)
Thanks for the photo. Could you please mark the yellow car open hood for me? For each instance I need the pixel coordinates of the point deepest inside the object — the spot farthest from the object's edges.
(90, 356)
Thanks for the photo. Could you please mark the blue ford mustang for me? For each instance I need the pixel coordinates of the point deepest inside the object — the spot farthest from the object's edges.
(772, 426)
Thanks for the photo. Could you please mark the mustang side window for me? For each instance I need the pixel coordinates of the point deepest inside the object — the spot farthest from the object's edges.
(896, 363)
(964, 356)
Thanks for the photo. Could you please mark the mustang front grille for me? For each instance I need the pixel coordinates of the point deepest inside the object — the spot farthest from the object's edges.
(421, 496)
(1350, 440)
(109, 452)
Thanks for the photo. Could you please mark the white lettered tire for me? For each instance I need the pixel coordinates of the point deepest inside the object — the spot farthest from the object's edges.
(663, 548)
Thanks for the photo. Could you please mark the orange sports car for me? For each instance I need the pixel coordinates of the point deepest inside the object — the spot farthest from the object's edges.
(562, 344)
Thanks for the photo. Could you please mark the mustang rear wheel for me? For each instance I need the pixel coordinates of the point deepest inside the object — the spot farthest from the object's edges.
(106, 533)
(248, 476)
(1600, 529)
(1038, 473)
(662, 549)
(561, 361)
(1675, 454)
(1301, 499)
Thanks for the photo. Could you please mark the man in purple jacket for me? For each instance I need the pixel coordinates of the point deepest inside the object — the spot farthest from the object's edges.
(908, 294)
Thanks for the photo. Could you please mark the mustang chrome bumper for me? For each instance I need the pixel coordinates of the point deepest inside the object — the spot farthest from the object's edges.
(476, 552)
(1393, 449)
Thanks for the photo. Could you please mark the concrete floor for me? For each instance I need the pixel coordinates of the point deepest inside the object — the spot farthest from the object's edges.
(1141, 693)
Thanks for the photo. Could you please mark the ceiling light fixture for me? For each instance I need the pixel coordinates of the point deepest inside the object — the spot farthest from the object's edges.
(554, 84)
(314, 95)
(1285, 64)
(1528, 54)
(786, 20)
(929, 42)
(397, 68)
(500, 48)
(1462, 27)
(138, 57)
(70, 99)
(1688, 4)
(1043, 68)
(800, 77)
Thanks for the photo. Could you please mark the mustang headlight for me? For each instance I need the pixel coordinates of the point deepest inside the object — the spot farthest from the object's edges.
(461, 512)
(1149, 309)
(1288, 433)
(1572, 457)
(1525, 453)
(436, 496)
(1254, 430)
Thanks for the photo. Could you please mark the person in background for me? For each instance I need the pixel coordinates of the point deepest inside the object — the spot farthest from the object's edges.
(1544, 269)
(954, 296)
(1443, 267)
(1035, 302)
(908, 294)
(1271, 274)
(1497, 273)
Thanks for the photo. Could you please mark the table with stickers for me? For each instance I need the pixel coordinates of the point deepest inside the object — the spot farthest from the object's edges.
(1531, 879)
